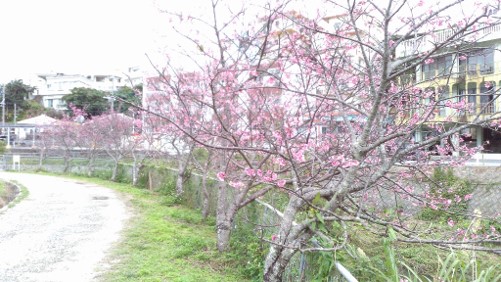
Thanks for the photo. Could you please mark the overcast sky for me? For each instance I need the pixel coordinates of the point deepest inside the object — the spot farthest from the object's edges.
(90, 36)
(74, 35)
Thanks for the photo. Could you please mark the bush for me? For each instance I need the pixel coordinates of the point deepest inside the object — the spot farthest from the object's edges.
(3, 147)
(247, 248)
(447, 186)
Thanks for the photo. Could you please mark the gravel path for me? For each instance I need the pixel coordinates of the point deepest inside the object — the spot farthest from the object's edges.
(61, 232)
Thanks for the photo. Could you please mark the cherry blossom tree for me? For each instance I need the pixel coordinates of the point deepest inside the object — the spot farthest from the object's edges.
(203, 161)
(117, 136)
(328, 110)
(62, 137)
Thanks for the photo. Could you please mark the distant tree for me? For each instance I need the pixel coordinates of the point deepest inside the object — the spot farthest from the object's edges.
(62, 137)
(16, 95)
(126, 95)
(32, 108)
(116, 137)
(90, 100)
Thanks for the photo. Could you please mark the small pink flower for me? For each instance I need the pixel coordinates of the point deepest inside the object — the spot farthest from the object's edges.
(468, 197)
(237, 184)
(447, 202)
(280, 161)
(462, 57)
(350, 163)
(429, 61)
(281, 183)
(250, 172)
(450, 222)
(335, 163)
(221, 175)
(274, 237)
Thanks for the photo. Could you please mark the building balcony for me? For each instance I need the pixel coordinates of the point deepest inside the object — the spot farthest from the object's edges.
(420, 43)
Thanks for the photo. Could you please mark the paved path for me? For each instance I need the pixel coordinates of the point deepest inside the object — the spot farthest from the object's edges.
(61, 232)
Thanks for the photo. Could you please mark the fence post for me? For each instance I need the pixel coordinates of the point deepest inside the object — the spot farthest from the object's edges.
(346, 274)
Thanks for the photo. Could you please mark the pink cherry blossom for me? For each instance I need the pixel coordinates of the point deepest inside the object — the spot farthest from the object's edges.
(250, 172)
(429, 61)
(350, 163)
(221, 176)
(450, 222)
(237, 184)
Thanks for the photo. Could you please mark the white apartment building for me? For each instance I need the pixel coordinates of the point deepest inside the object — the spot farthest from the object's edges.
(54, 86)
(133, 76)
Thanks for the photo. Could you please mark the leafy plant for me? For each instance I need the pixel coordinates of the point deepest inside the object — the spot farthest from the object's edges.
(447, 186)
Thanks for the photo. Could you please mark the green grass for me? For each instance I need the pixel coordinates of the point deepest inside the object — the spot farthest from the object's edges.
(23, 193)
(421, 258)
(3, 190)
(166, 243)
(60, 161)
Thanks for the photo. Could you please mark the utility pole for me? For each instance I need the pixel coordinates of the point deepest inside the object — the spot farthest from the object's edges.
(3, 105)
(3, 108)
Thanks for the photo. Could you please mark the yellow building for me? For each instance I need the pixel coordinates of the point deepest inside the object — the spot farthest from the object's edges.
(469, 72)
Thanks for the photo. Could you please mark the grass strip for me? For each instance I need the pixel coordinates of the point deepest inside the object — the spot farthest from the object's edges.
(165, 243)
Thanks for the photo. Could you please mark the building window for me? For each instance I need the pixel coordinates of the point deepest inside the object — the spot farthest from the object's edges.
(472, 93)
(441, 66)
(428, 71)
(475, 63)
(487, 90)
(444, 65)
(429, 94)
(443, 96)
(50, 103)
(459, 91)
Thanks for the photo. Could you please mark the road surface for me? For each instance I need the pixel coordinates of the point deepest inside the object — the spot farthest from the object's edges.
(63, 230)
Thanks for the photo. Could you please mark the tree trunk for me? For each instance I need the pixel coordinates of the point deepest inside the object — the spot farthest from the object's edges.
(279, 256)
(223, 235)
(182, 164)
(150, 181)
(137, 165)
(66, 162)
(114, 172)
(134, 172)
(90, 166)
(223, 222)
(205, 195)
(42, 157)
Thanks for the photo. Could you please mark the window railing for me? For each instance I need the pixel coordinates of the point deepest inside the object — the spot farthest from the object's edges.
(485, 108)
(420, 43)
